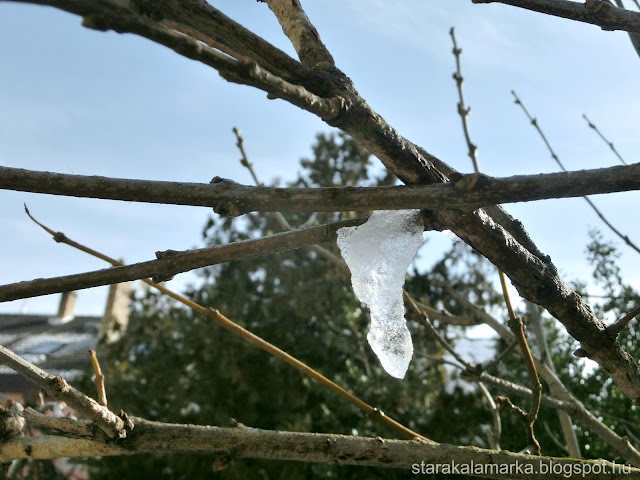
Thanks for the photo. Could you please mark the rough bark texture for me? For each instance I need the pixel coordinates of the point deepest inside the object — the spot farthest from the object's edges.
(226, 197)
(244, 442)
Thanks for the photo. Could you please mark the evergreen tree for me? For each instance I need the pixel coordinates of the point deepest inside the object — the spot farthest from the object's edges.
(173, 365)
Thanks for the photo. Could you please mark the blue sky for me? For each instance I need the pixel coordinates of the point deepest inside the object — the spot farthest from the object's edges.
(92, 103)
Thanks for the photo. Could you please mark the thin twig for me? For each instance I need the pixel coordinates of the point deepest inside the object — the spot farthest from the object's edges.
(616, 327)
(517, 327)
(498, 358)
(566, 422)
(496, 432)
(282, 221)
(99, 380)
(604, 139)
(244, 161)
(507, 298)
(446, 317)
(246, 335)
(568, 402)
(555, 439)
(472, 148)
(533, 447)
(534, 122)
(427, 323)
(463, 110)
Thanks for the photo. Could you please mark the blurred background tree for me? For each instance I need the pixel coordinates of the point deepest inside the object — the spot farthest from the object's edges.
(174, 366)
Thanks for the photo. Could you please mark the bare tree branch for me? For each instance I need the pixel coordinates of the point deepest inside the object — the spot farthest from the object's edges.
(604, 139)
(566, 423)
(245, 442)
(227, 197)
(303, 35)
(58, 388)
(517, 327)
(171, 262)
(596, 12)
(534, 122)
(463, 110)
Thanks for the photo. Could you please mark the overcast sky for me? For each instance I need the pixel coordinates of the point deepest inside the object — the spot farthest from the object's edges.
(84, 102)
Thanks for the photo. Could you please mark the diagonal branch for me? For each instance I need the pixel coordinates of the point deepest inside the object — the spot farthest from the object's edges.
(534, 122)
(201, 17)
(58, 388)
(110, 15)
(227, 197)
(303, 35)
(604, 139)
(171, 262)
(246, 335)
(596, 12)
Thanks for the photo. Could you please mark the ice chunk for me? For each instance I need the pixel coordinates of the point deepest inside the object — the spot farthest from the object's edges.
(378, 254)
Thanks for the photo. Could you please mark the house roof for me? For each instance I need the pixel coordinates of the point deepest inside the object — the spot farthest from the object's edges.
(58, 347)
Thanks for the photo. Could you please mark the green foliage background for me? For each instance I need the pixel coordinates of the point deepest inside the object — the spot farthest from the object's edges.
(174, 366)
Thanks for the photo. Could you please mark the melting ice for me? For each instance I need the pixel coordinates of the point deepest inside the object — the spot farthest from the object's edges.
(378, 254)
